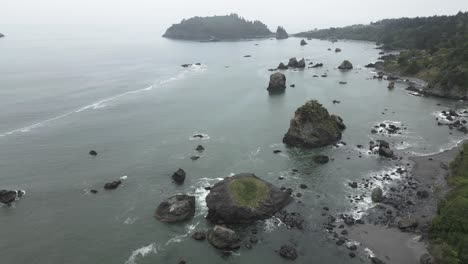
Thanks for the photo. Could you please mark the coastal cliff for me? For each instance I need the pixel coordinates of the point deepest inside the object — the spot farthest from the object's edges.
(216, 28)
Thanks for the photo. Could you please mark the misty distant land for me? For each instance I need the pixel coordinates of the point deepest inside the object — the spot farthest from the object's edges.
(218, 28)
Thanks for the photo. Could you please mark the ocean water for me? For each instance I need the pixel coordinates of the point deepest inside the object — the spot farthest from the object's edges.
(123, 93)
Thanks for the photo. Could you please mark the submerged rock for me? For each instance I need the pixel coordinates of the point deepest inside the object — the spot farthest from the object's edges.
(223, 238)
(244, 198)
(277, 83)
(288, 252)
(281, 33)
(346, 65)
(312, 127)
(179, 176)
(321, 159)
(199, 236)
(176, 208)
(112, 185)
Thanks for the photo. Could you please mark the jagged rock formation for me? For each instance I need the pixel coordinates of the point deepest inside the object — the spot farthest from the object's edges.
(281, 33)
(277, 83)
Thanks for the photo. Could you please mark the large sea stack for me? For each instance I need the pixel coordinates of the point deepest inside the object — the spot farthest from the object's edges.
(312, 127)
(277, 83)
(217, 28)
(281, 33)
(244, 198)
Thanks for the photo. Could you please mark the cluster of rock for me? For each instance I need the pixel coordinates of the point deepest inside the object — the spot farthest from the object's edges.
(293, 63)
(381, 147)
(388, 128)
(312, 127)
(240, 199)
(454, 120)
(9, 196)
(281, 33)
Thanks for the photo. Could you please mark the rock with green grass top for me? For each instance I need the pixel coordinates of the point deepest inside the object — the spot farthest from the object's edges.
(312, 127)
(244, 198)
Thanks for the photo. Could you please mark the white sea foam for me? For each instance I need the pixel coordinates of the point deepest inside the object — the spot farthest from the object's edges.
(201, 193)
(142, 252)
(446, 147)
(369, 253)
(101, 103)
(271, 224)
(130, 220)
(195, 136)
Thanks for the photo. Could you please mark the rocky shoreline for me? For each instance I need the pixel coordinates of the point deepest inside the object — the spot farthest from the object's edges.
(395, 229)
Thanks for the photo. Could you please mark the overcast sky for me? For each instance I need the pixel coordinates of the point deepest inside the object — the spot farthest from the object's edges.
(294, 15)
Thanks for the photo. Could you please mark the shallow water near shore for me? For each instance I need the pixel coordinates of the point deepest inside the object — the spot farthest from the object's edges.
(67, 92)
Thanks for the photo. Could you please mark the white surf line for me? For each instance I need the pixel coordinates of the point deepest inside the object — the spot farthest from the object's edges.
(98, 104)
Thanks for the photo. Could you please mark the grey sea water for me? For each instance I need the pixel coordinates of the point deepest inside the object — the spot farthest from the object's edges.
(67, 90)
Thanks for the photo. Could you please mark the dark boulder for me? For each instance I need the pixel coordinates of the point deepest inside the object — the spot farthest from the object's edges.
(179, 176)
(337, 50)
(301, 64)
(199, 236)
(391, 85)
(277, 83)
(199, 148)
(7, 197)
(346, 65)
(384, 149)
(223, 238)
(303, 42)
(93, 153)
(292, 62)
(288, 252)
(112, 185)
(176, 208)
(312, 127)
(244, 198)
(377, 195)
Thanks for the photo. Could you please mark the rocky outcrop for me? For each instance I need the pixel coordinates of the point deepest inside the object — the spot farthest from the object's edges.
(244, 198)
(312, 127)
(346, 65)
(384, 149)
(337, 50)
(223, 238)
(293, 63)
(8, 196)
(281, 33)
(179, 176)
(277, 83)
(176, 208)
(112, 185)
(281, 66)
(303, 42)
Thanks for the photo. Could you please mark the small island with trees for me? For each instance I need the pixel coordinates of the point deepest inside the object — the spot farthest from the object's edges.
(217, 28)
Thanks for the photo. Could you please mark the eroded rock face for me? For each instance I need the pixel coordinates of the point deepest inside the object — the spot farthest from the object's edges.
(346, 65)
(223, 238)
(176, 208)
(277, 83)
(244, 198)
(312, 127)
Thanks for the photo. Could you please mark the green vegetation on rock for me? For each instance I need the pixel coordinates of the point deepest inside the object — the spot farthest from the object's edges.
(217, 28)
(436, 47)
(449, 230)
(248, 192)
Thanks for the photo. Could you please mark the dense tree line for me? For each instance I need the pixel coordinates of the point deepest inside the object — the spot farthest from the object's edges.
(437, 46)
(217, 28)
